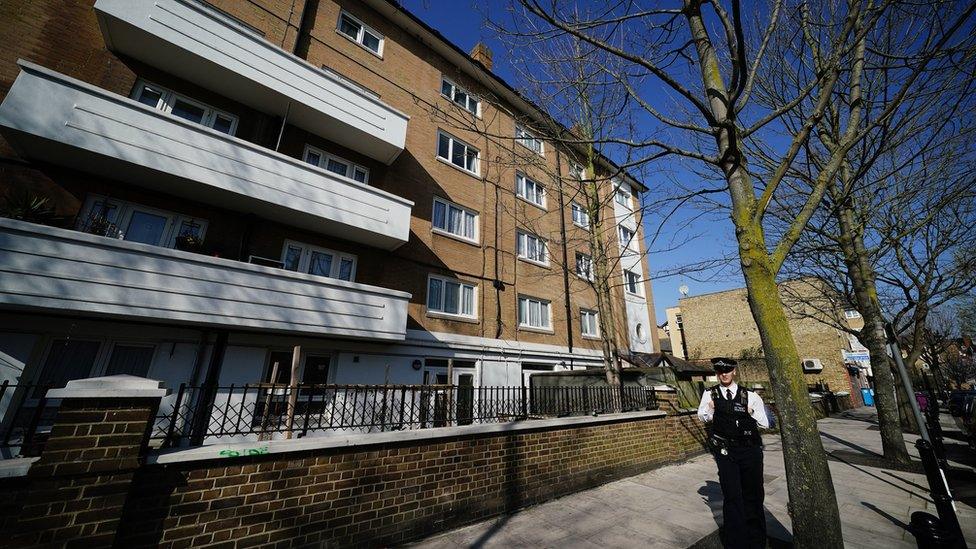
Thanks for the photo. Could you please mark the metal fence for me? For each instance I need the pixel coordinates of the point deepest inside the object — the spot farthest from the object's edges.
(25, 418)
(195, 415)
(276, 411)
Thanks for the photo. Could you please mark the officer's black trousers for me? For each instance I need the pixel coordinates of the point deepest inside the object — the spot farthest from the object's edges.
(741, 475)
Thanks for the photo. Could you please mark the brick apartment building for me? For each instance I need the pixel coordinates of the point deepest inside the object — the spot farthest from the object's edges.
(236, 178)
(720, 324)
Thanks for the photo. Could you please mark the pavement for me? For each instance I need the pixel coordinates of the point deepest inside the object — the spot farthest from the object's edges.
(680, 505)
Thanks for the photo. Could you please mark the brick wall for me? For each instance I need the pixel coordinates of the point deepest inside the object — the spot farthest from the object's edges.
(78, 487)
(91, 486)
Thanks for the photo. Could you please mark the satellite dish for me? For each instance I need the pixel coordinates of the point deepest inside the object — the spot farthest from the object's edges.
(683, 289)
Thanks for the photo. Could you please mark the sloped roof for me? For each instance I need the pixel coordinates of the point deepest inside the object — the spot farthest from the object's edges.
(655, 360)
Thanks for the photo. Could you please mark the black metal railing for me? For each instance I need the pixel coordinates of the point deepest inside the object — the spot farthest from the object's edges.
(272, 411)
(193, 415)
(25, 418)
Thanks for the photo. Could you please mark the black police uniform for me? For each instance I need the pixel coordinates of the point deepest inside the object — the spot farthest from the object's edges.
(737, 446)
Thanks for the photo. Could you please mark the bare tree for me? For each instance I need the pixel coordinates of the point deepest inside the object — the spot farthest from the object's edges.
(705, 59)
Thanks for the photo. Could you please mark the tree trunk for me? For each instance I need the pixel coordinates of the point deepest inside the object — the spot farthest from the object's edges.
(813, 503)
(861, 274)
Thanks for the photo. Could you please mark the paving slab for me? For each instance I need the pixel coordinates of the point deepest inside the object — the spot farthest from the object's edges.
(678, 505)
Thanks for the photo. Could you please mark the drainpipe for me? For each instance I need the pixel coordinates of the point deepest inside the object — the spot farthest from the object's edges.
(304, 37)
(201, 416)
(562, 234)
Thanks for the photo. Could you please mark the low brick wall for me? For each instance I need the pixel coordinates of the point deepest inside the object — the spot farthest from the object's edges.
(360, 490)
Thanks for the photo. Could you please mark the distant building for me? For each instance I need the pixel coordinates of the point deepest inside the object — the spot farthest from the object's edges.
(721, 324)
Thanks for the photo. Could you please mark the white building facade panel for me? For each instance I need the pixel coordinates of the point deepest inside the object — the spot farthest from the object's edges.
(193, 41)
(85, 127)
(57, 269)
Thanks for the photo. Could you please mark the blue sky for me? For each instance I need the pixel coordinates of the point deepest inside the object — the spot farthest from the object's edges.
(684, 239)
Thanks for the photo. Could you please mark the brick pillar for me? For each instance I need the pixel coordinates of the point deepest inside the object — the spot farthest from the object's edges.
(78, 487)
(667, 399)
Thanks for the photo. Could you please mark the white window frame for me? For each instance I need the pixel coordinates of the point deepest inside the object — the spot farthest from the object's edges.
(452, 141)
(638, 283)
(441, 311)
(581, 213)
(588, 261)
(625, 243)
(577, 171)
(103, 356)
(522, 247)
(543, 304)
(363, 29)
(523, 184)
(448, 206)
(323, 163)
(167, 99)
(851, 314)
(305, 259)
(627, 198)
(528, 140)
(595, 334)
(453, 99)
(122, 216)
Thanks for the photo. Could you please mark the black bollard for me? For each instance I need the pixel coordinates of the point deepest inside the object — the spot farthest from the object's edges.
(929, 532)
(946, 530)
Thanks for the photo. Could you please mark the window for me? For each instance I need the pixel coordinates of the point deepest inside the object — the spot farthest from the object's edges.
(584, 266)
(622, 197)
(460, 97)
(852, 314)
(350, 82)
(306, 258)
(458, 153)
(530, 190)
(359, 33)
(632, 283)
(450, 297)
(532, 248)
(68, 359)
(576, 171)
(534, 313)
(589, 325)
(528, 140)
(137, 223)
(175, 104)
(336, 165)
(626, 237)
(581, 217)
(453, 219)
(130, 359)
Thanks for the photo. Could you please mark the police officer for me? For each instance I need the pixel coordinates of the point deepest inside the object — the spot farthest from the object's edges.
(735, 415)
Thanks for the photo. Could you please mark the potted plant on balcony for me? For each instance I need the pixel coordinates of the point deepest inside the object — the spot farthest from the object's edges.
(100, 225)
(189, 242)
(26, 205)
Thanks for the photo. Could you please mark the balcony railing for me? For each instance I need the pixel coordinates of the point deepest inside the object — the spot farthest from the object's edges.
(57, 119)
(46, 268)
(191, 40)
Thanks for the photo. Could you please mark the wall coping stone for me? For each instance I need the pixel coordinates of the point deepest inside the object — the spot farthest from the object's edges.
(117, 386)
(17, 467)
(252, 448)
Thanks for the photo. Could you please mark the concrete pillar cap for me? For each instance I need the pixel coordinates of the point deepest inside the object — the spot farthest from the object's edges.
(117, 386)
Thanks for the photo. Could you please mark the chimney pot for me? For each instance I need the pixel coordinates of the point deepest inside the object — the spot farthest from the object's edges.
(482, 54)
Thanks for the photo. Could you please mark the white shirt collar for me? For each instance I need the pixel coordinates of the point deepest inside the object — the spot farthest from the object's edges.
(734, 387)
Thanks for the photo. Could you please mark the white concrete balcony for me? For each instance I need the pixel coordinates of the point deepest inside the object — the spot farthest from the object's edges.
(57, 119)
(58, 270)
(191, 40)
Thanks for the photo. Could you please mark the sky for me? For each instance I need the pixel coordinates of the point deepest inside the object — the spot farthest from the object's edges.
(685, 238)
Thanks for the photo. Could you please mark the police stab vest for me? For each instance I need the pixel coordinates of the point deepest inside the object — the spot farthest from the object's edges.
(732, 421)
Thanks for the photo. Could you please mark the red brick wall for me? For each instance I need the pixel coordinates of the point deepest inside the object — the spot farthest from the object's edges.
(390, 493)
